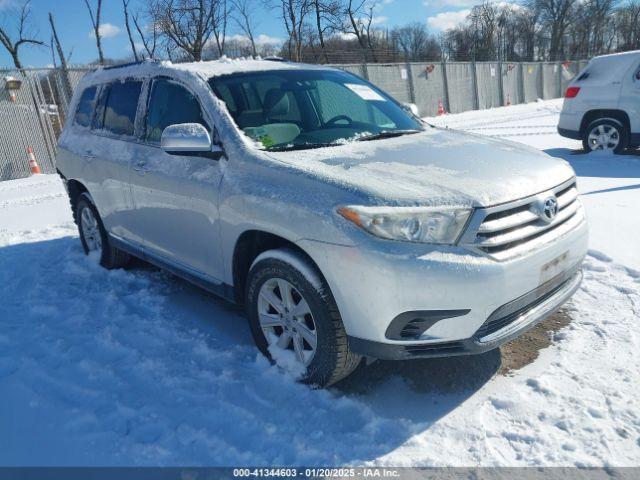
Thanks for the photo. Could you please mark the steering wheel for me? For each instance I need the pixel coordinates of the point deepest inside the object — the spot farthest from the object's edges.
(337, 118)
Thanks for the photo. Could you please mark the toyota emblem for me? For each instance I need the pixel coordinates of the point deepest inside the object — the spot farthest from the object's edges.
(549, 209)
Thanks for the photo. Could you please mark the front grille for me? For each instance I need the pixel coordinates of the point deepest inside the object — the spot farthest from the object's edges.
(515, 228)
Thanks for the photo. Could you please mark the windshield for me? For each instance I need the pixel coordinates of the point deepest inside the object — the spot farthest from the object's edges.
(299, 109)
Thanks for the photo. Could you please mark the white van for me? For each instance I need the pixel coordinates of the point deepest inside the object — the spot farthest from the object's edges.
(602, 104)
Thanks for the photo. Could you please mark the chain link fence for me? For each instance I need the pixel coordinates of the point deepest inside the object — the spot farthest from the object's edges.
(32, 116)
(463, 86)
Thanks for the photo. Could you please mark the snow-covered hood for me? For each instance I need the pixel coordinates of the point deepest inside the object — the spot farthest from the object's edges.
(437, 167)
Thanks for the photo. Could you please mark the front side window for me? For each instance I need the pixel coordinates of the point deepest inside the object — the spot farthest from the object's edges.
(298, 109)
(121, 104)
(85, 107)
(170, 103)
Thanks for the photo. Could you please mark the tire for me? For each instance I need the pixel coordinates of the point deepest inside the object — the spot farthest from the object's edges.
(615, 132)
(95, 239)
(332, 360)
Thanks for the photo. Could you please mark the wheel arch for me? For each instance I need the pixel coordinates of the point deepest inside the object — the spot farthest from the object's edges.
(75, 188)
(249, 245)
(614, 114)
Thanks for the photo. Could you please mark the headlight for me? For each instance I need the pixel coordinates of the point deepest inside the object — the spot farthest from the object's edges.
(410, 224)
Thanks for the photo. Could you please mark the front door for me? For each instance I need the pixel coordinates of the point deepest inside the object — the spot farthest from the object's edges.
(176, 197)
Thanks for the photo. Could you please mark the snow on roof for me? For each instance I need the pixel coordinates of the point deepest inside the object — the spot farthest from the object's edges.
(205, 70)
(606, 68)
(620, 54)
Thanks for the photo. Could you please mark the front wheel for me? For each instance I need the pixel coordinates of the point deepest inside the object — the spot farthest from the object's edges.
(93, 235)
(294, 319)
(605, 134)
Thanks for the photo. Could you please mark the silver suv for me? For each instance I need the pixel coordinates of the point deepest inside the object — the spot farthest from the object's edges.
(347, 226)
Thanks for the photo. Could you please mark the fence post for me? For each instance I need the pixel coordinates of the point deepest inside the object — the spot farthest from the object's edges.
(500, 85)
(559, 80)
(474, 81)
(365, 71)
(412, 92)
(445, 86)
(541, 80)
(521, 92)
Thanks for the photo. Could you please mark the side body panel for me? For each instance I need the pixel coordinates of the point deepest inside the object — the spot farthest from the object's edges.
(630, 98)
(101, 163)
(176, 208)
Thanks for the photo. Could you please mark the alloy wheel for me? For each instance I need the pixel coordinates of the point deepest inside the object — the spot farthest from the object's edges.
(604, 137)
(90, 230)
(286, 319)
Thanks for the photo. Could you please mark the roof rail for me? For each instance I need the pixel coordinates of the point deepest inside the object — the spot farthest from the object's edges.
(275, 59)
(130, 64)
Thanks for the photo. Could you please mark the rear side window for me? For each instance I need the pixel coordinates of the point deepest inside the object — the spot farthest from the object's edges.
(121, 104)
(170, 103)
(85, 107)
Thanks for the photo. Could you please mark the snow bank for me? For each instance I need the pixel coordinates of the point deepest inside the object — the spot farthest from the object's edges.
(138, 368)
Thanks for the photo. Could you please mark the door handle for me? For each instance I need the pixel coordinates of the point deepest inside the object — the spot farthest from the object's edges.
(141, 168)
(88, 155)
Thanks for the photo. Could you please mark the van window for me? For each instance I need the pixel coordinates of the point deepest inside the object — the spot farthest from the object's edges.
(85, 107)
(170, 103)
(120, 107)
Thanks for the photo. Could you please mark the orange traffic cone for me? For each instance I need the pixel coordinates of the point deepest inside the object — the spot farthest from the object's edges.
(33, 165)
(508, 101)
(441, 110)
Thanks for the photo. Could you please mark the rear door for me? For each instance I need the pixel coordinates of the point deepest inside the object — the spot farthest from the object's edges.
(109, 154)
(176, 196)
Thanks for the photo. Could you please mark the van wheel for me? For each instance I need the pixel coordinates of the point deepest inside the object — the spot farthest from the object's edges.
(93, 236)
(605, 134)
(294, 319)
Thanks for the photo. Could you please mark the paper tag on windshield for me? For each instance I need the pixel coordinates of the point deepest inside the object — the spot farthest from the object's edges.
(365, 92)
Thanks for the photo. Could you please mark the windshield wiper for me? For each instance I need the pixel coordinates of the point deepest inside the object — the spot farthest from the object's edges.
(387, 134)
(301, 146)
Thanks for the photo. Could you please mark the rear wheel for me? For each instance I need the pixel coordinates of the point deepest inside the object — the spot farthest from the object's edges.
(94, 237)
(605, 134)
(295, 320)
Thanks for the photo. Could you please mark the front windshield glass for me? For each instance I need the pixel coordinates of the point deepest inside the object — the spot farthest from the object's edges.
(299, 109)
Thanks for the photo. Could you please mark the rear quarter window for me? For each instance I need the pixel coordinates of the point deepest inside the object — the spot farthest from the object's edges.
(120, 107)
(84, 111)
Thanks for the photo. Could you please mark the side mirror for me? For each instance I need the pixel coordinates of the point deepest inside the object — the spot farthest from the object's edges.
(412, 107)
(189, 139)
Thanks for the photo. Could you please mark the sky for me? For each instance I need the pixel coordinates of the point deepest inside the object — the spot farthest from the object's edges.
(74, 25)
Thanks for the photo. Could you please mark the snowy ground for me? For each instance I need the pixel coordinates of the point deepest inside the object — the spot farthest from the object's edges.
(139, 368)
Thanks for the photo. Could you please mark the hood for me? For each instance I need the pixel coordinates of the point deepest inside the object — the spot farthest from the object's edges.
(435, 167)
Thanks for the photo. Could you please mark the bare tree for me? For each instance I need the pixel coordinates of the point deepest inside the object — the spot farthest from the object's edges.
(415, 42)
(21, 17)
(125, 7)
(148, 36)
(627, 20)
(328, 17)
(189, 24)
(359, 22)
(243, 15)
(95, 22)
(294, 14)
(555, 16)
(221, 19)
(63, 59)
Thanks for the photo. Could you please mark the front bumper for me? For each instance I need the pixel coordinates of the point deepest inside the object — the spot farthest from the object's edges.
(506, 323)
(377, 281)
